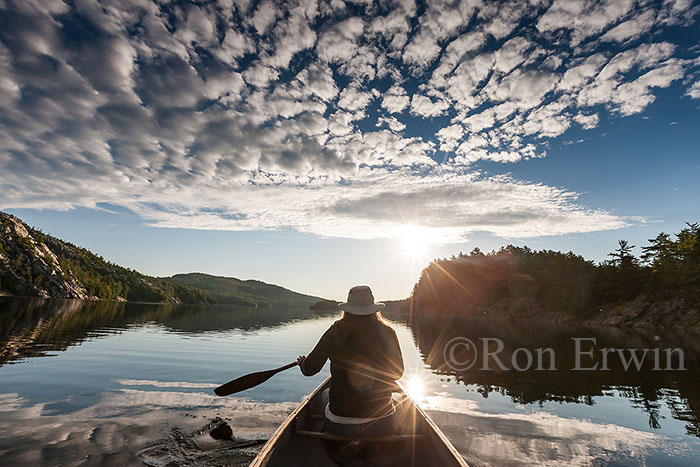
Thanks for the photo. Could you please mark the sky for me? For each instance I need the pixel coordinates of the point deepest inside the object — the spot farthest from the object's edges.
(323, 144)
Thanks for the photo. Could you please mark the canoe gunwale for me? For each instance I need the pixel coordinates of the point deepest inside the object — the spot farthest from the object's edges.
(438, 432)
(267, 449)
(289, 425)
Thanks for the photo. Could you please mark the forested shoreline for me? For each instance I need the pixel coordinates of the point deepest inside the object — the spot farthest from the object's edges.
(35, 264)
(518, 281)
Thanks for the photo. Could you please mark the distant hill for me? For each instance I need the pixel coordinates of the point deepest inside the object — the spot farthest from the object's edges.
(35, 264)
(325, 305)
(229, 290)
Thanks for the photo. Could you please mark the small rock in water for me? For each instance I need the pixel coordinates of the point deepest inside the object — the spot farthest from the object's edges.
(221, 430)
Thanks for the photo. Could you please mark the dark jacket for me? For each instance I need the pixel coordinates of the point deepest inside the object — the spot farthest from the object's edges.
(365, 362)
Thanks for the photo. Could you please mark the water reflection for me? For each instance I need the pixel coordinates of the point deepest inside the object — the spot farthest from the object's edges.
(540, 438)
(35, 327)
(122, 368)
(654, 392)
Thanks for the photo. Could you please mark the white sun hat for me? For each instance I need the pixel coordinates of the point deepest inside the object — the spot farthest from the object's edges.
(361, 301)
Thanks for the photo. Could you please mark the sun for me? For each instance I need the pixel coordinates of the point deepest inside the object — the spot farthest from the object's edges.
(415, 388)
(415, 241)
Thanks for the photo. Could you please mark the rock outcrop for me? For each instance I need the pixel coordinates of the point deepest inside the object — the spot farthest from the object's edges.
(29, 267)
(39, 265)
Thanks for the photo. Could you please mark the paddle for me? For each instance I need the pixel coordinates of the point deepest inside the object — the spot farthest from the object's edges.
(249, 381)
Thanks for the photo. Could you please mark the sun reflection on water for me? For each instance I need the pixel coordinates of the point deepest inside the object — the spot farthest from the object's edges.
(415, 388)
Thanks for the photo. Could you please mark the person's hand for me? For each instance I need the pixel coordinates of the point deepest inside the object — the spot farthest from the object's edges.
(301, 359)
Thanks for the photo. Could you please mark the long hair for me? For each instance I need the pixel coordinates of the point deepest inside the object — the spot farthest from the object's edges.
(364, 327)
(366, 349)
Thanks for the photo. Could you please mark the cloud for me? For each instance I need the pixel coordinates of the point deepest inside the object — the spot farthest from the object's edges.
(583, 19)
(265, 15)
(450, 136)
(391, 122)
(613, 87)
(427, 107)
(632, 28)
(395, 99)
(353, 98)
(264, 115)
(319, 80)
(234, 46)
(694, 90)
(587, 121)
(438, 22)
(339, 42)
(527, 436)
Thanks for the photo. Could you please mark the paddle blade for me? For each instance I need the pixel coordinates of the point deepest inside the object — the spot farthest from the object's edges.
(244, 382)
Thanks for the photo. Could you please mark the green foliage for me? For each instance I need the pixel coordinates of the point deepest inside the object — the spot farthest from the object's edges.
(619, 279)
(562, 282)
(100, 278)
(24, 243)
(557, 281)
(106, 280)
(232, 291)
(325, 305)
(674, 266)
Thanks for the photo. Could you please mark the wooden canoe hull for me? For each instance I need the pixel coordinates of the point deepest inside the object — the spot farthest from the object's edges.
(300, 441)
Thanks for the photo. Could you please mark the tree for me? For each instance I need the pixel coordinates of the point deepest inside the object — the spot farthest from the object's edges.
(622, 257)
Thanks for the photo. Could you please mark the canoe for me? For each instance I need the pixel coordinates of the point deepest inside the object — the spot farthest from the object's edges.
(301, 440)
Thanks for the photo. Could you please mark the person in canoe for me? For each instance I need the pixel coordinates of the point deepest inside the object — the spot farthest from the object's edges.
(366, 361)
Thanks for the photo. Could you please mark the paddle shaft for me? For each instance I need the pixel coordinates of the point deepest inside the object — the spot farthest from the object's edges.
(250, 380)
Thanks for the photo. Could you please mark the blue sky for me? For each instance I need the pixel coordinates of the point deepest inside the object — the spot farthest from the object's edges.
(318, 145)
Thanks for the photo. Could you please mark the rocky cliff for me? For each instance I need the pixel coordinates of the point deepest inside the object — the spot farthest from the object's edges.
(39, 265)
(29, 267)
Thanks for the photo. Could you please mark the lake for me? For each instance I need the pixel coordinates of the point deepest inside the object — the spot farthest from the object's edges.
(97, 383)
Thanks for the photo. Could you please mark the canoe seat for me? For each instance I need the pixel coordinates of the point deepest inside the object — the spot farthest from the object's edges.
(332, 437)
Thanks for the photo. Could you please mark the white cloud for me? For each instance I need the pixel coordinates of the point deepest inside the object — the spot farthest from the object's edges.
(633, 97)
(363, 64)
(613, 87)
(395, 26)
(203, 108)
(694, 91)
(526, 89)
(260, 75)
(448, 206)
(511, 54)
(426, 107)
(319, 80)
(265, 15)
(577, 76)
(291, 35)
(338, 44)
(395, 99)
(584, 19)
(454, 53)
(234, 46)
(461, 87)
(587, 122)
(391, 122)
(449, 137)
(632, 28)
(440, 21)
(353, 98)
(199, 28)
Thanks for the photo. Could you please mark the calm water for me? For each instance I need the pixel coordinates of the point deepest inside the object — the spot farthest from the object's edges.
(72, 370)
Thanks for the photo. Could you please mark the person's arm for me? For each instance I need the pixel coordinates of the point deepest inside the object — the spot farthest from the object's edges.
(317, 358)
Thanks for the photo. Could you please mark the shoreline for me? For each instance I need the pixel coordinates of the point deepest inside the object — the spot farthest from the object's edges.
(672, 314)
